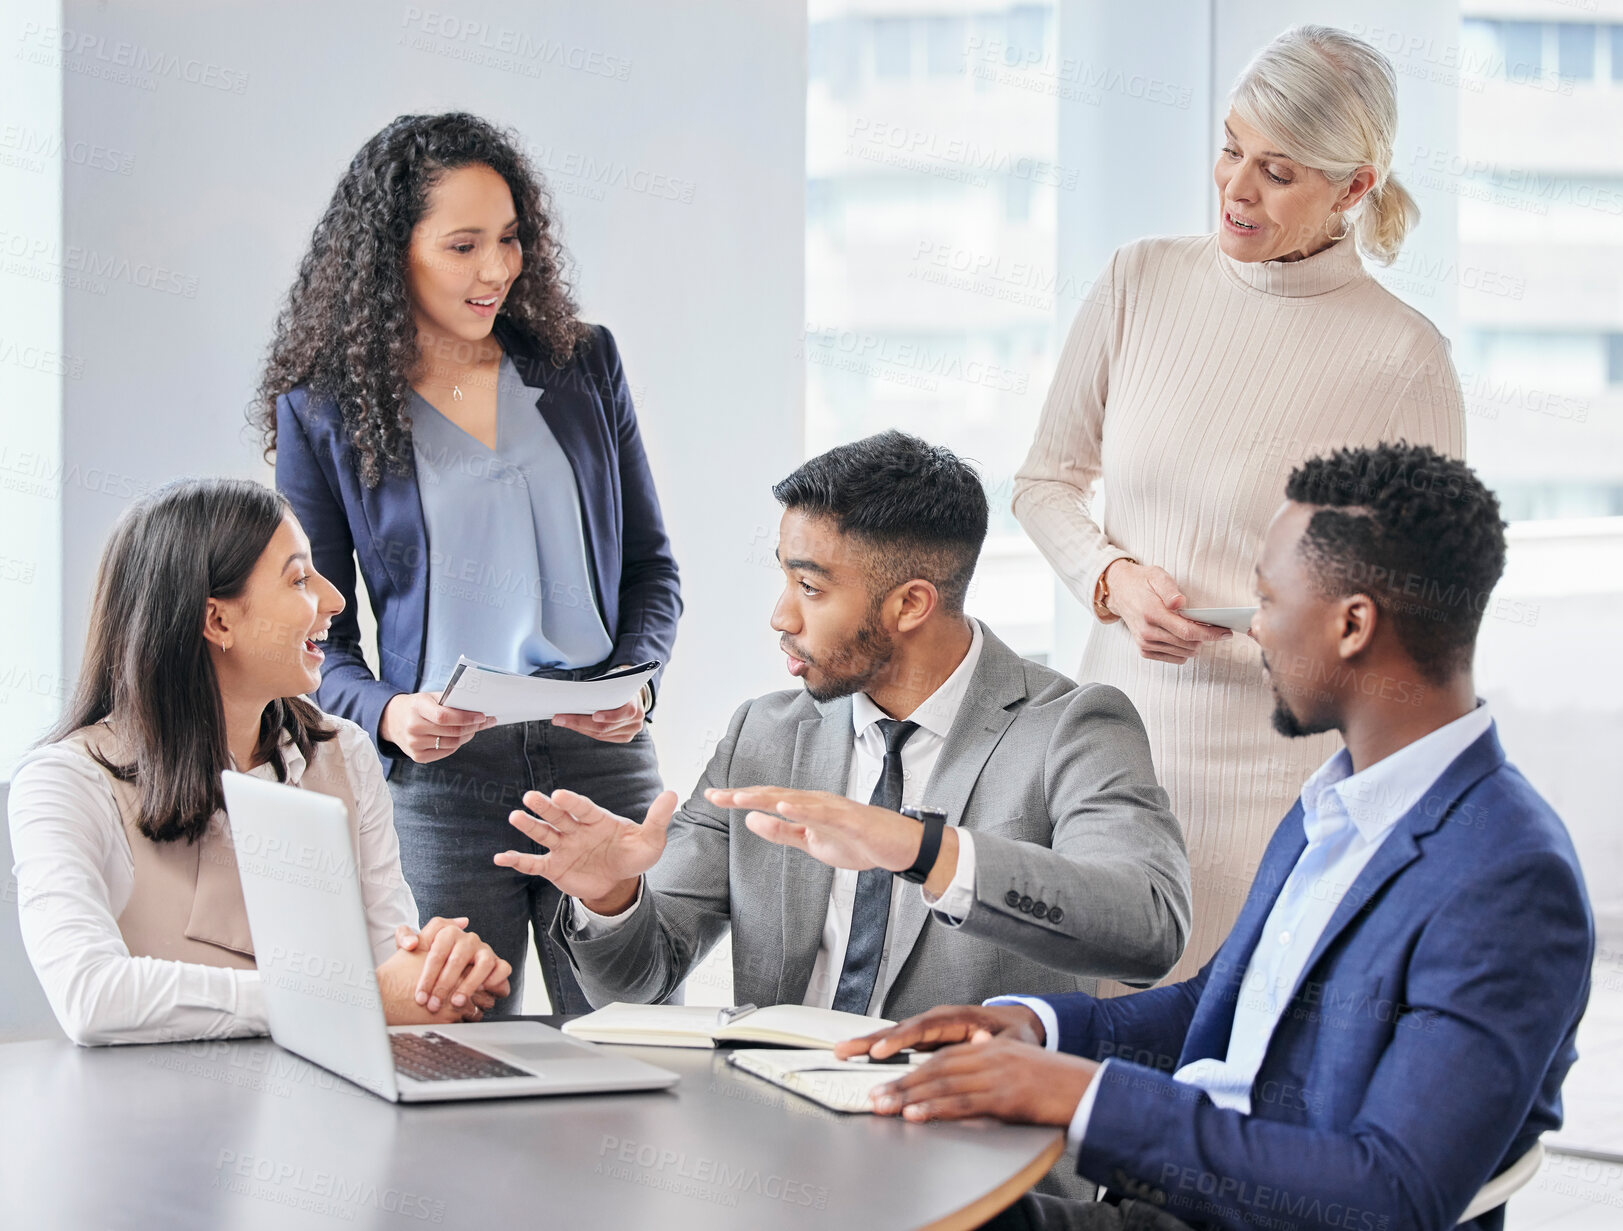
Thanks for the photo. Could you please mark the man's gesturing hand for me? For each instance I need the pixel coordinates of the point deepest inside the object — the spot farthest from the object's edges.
(830, 828)
(594, 855)
(942, 1027)
(998, 1077)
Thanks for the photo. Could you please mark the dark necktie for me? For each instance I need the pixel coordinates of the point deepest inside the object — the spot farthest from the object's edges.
(870, 914)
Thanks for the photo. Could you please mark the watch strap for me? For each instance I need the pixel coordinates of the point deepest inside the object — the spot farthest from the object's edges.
(935, 824)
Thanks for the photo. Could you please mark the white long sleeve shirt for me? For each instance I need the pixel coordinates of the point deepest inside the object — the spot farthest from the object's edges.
(75, 875)
(935, 716)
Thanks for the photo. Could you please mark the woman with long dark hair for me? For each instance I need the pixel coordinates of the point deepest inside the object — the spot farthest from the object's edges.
(442, 420)
(206, 628)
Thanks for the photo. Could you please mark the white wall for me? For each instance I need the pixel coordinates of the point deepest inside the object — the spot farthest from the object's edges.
(703, 291)
(33, 370)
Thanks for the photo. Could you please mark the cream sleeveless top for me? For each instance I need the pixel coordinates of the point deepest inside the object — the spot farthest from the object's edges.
(187, 905)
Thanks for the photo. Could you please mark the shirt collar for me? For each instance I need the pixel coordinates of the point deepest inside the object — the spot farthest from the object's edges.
(292, 761)
(1375, 799)
(937, 712)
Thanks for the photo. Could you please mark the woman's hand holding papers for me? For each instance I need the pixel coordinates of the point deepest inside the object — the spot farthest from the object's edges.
(423, 729)
(592, 854)
(618, 726)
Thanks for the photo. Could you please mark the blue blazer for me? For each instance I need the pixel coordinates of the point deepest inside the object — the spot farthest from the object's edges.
(1422, 1052)
(588, 407)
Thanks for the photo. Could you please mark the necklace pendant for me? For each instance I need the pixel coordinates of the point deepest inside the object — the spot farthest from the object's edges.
(456, 393)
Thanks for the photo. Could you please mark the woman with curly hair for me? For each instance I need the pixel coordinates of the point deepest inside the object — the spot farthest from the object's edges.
(441, 419)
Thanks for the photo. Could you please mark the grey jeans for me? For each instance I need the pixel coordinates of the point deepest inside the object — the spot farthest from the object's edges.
(451, 816)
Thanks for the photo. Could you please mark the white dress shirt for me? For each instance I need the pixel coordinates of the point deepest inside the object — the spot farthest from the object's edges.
(75, 875)
(1345, 818)
(935, 716)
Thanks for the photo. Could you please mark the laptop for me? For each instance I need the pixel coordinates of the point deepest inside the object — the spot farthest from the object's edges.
(302, 888)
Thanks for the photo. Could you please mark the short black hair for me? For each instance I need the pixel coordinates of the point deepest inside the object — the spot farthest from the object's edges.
(1416, 531)
(920, 507)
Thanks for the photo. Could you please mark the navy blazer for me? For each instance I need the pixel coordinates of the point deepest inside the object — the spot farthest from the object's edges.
(587, 404)
(1421, 1053)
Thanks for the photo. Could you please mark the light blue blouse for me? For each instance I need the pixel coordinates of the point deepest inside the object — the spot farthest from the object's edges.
(509, 582)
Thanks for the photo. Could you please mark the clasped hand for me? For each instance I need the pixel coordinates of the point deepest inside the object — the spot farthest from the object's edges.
(442, 973)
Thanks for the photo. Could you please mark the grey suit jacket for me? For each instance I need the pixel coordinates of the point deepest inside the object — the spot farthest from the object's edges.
(1054, 780)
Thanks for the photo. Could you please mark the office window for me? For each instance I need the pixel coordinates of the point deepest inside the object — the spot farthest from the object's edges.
(1540, 358)
(1028, 26)
(1479, 47)
(945, 45)
(921, 268)
(1522, 47)
(1575, 51)
(930, 267)
(892, 47)
(819, 50)
(1017, 192)
(1614, 358)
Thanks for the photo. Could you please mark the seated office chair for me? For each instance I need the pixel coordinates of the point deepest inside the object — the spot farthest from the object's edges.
(1497, 1191)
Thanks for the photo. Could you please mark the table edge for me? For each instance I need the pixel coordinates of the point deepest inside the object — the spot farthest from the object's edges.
(1004, 1195)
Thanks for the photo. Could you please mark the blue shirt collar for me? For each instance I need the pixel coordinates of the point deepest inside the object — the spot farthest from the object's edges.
(1376, 798)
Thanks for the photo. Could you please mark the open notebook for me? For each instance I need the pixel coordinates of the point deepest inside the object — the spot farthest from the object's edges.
(680, 1025)
(842, 1085)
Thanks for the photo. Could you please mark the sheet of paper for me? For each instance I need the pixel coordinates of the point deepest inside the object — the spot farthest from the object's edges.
(528, 698)
(842, 1085)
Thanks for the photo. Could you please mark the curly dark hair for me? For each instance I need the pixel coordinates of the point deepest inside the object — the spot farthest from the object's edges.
(346, 328)
(1416, 531)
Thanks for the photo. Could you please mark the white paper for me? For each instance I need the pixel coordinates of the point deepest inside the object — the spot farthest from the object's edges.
(510, 697)
(843, 1085)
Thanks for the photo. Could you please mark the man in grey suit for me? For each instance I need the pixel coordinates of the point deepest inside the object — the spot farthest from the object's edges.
(1042, 848)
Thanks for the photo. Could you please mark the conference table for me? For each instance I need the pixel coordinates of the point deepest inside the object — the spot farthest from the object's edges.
(239, 1134)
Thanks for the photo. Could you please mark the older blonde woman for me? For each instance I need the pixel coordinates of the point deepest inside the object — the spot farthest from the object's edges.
(1202, 369)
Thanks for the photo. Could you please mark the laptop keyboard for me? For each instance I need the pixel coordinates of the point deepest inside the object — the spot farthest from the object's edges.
(433, 1057)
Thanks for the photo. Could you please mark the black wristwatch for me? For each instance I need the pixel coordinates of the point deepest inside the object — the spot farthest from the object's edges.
(935, 821)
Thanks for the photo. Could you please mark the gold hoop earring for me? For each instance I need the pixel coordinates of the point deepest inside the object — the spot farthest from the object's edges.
(1345, 227)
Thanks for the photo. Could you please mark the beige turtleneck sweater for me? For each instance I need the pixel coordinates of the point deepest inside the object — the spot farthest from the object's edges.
(1191, 384)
